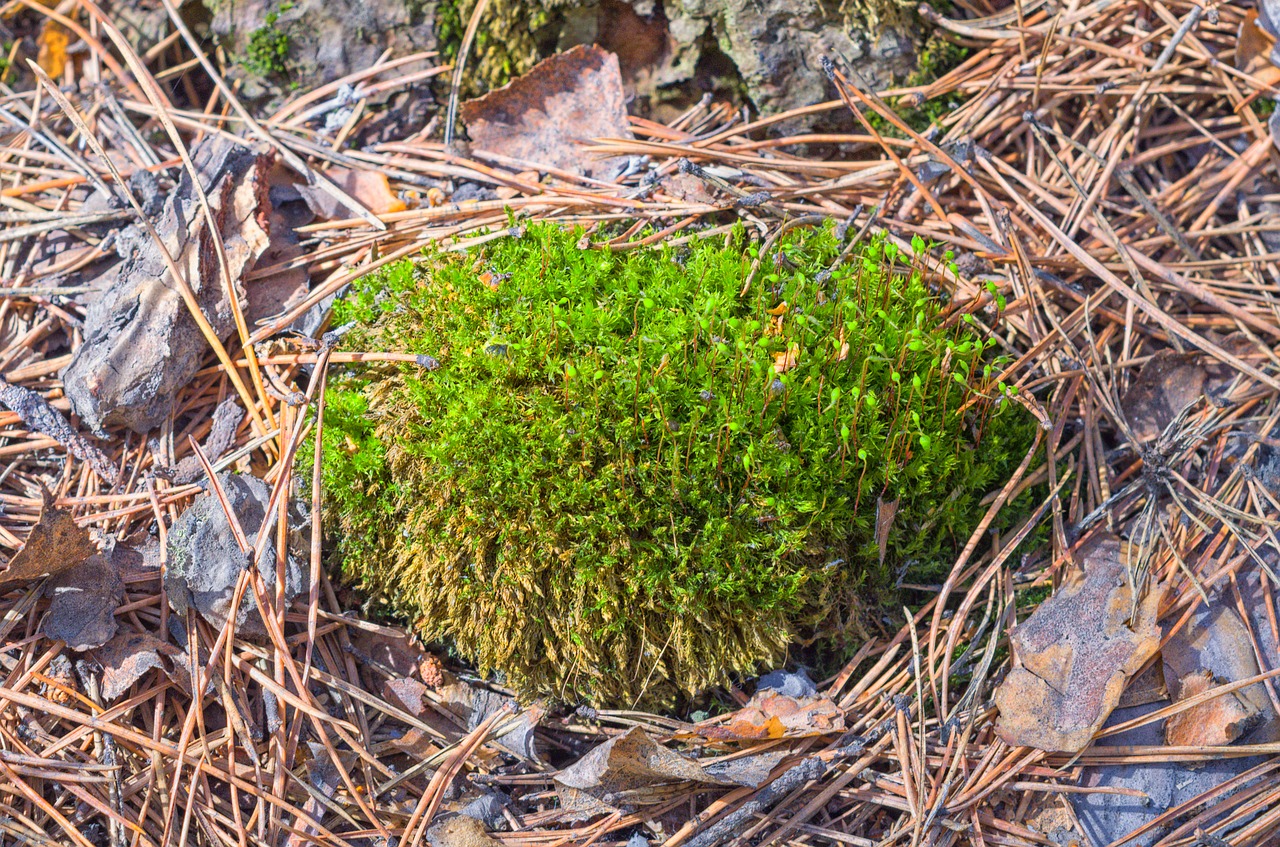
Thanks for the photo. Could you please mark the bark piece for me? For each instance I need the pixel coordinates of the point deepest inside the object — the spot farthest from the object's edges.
(545, 116)
(770, 715)
(1213, 648)
(205, 561)
(141, 342)
(222, 435)
(1215, 722)
(126, 658)
(40, 417)
(1075, 654)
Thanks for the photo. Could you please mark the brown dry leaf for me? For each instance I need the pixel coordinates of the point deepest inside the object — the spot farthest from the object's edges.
(54, 39)
(1075, 654)
(545, 116)
(82, 611)
(844, 347)
(369, 188)
(787, 359)
(886, 510)
(770, 715)
(269, 295)
(1167, 383)
(387, 651)
(624, 772)
(411, 696)
(55, 546)
(1254, 48)
(688, 188)
(506, 192)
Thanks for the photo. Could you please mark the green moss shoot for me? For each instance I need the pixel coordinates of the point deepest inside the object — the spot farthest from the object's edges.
(267, 52)
(623, 477)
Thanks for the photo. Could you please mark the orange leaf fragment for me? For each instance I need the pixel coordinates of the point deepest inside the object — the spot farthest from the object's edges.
(54, 39)
(787, 359)
(771, 715)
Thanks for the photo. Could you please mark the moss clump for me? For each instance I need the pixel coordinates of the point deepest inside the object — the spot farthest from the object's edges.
(267, 52)
(621, 478)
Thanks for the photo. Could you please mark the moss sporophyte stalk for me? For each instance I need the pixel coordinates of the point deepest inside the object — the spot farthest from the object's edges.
(624, 476)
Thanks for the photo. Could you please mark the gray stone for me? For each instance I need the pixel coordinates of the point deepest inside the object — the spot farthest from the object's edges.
(1110, 818)
(326, 39)
(778, 47)
(205, 561)
(791, 684)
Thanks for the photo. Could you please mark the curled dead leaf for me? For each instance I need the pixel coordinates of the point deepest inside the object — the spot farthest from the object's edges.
(126, 658)
(786, 359)
(1167, 383)
(624, 772)
(770, 715)
(886, 510)
(369, 188)
(82, 611)
(1254, 47)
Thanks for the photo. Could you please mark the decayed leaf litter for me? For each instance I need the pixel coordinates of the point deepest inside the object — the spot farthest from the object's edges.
(886, 769)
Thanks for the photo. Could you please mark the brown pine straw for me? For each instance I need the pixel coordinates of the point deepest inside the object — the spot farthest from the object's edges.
(1101, 166)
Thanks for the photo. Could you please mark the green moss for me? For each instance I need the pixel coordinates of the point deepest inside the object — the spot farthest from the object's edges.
(513, 36)
(267, 52)
(937, 57)
(626, 478)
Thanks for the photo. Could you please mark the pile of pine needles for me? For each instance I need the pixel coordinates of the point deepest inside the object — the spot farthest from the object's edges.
(1103, 170)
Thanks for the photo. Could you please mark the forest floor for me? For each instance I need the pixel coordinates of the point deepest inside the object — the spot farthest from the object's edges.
(1107, 177)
